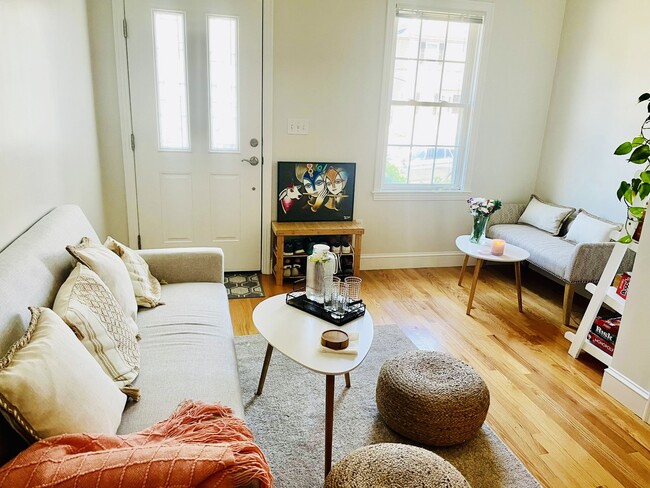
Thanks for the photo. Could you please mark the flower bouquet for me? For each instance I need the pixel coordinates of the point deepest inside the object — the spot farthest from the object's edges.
(481, 209)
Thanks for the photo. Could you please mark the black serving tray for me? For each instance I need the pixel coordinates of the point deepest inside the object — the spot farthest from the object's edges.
(299, 300)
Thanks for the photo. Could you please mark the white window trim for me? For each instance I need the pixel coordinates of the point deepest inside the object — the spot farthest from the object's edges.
(485, 9)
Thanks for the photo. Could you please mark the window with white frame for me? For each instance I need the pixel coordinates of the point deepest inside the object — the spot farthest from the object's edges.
(429, 98)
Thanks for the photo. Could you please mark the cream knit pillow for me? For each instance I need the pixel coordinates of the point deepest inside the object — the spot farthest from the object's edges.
(50, 385)
(145, 285)
(86, 304)
(111, 271)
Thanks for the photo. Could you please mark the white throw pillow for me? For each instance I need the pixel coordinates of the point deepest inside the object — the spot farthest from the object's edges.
(145, 285)
(545, 216)
(89, 308)
(111, 270)
(50, 384)
(589, 228)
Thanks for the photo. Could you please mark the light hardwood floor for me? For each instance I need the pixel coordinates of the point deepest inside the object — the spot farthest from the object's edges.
(545, 405)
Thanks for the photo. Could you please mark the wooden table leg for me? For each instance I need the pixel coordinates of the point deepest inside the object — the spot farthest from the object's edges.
(356, 265)
(462, 270)
(518, 280)
(477, 270)
(329, 420)
(265, 368)
(347, 380)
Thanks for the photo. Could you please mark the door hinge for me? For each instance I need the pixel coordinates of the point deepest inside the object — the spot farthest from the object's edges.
(139, 242)
(124, 30)
(132, 142)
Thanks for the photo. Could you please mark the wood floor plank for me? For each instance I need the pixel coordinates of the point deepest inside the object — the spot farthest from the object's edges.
(545, 405)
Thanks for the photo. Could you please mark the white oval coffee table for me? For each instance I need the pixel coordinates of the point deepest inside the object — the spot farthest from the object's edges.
(296, 334)
(511, 254)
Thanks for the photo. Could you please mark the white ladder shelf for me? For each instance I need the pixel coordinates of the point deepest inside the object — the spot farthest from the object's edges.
(601, 293)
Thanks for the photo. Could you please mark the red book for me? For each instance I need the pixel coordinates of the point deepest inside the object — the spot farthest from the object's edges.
(601, 343)
(606, 328)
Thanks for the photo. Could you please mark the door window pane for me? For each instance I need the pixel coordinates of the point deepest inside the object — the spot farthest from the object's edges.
(408, 38)
(404, 79)
(223, 59)
(171, 80)
(432, 45)
(428, 85)
(401, 125)
(426, 125)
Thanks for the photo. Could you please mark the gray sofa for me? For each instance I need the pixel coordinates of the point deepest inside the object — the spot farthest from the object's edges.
(187, 349)
(567, 262)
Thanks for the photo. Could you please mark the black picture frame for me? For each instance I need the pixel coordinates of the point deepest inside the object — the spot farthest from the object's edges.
(315, 191)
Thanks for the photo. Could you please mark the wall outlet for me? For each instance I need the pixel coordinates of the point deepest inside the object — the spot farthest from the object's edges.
(298, 126)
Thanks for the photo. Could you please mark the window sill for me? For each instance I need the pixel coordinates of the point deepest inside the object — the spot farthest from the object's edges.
(443, 195)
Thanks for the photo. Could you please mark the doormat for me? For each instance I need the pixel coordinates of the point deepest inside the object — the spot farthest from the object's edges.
(243, 285)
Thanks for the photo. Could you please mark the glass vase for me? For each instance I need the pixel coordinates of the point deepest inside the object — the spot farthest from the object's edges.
(479, 228)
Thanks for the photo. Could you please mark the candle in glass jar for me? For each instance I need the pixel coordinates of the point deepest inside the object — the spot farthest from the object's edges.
(498, 245)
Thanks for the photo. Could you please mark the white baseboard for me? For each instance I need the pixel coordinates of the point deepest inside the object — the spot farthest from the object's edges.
(627, 392)
(411, 260)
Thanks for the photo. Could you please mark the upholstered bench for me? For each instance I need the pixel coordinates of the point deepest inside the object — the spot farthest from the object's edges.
(388, 465)
(432, 398)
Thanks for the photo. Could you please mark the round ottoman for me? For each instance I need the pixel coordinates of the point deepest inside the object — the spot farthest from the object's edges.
(390, 465)
(432, 398)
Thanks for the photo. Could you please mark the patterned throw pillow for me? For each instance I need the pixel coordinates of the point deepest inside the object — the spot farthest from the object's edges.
(145, 285)
(111, 271)
(50, 385)
(545, 216)
(86, 304)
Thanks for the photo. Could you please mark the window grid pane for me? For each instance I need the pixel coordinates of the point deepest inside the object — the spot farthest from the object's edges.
(432, 154)
(171, 80)
(223, 59)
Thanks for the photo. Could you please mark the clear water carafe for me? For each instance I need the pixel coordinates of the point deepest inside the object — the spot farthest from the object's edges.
(320, 265)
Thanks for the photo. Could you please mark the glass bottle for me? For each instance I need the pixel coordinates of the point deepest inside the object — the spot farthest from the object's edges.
(320, 265)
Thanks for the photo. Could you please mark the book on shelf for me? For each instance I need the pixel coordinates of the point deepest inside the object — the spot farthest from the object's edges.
(606, 328)
(601, 343)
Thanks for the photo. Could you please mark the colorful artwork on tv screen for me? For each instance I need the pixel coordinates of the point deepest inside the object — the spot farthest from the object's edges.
(315, 191)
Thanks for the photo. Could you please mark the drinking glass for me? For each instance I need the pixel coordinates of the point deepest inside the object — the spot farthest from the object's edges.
(354, 288)
(339, 299)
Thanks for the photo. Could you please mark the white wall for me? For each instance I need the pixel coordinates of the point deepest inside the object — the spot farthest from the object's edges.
(48, 140)
(600, 73)
(328, 63)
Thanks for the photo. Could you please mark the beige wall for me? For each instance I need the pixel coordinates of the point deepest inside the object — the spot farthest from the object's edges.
(600, 73)
(328, 65)
(48, 140)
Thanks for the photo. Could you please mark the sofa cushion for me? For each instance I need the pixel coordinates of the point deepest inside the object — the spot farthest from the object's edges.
(89, 308)
(186, 353)
(545, 216)
(589, 228)
(546, 251)
(50, 384)
(112, 271)
(145, 285)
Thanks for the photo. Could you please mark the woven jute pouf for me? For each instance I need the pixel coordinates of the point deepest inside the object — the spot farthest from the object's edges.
(432, 398)
(391, 465)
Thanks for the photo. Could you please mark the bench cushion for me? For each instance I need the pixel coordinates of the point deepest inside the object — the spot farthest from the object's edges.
(546, 251)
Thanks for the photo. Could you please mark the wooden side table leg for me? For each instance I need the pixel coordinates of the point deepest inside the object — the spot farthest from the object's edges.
(462, 270)
(329, 420)
(518, 280)
(348, 384)
(265, 368)
(356, 266)
(477, 270)
(279, 260)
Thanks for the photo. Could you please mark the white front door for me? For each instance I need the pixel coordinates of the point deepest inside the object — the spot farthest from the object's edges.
(195, 73)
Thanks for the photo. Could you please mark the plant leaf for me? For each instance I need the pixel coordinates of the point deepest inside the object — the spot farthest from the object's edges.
(625, 239)
(629, 196)
(645, 176)
(636, 211)
(644, 97)
(636, 184)
(644, 191)
(638, 140)
(640, 154)
(620, 193)
(624, 148)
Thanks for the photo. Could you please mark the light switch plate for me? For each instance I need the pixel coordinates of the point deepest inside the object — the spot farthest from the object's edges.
(298, 126)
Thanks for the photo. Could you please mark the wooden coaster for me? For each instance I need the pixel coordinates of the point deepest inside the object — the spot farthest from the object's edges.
(335, 339)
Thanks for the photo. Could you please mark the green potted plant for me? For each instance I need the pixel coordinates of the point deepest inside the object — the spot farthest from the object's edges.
(634, 193)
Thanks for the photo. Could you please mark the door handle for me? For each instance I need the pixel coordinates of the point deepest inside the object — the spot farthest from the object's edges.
(253, 161)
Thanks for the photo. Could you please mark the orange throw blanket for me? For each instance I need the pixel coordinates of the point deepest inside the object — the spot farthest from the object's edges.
(199, 445)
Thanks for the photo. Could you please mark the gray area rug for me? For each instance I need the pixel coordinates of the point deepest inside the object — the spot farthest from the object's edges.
(288, 418)
(243, 285)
